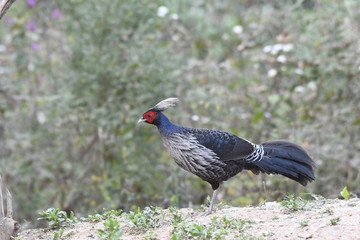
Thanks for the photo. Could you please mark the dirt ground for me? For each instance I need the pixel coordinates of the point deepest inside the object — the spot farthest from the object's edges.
(324, 219)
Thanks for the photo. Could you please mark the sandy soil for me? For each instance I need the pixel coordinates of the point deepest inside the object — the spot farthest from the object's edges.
(268, 221)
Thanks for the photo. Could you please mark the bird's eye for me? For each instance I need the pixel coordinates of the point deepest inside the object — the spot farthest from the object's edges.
(149, 115)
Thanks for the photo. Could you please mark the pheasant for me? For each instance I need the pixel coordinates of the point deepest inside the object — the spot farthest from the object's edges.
(215, 156)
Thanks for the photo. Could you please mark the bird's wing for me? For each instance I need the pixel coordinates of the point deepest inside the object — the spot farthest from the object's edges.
(226, 146)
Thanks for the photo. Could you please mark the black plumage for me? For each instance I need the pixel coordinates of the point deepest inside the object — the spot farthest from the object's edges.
(226, 145)
(215, 156)
(288, 159)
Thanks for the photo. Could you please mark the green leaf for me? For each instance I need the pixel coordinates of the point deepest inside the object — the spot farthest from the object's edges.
(257, 117)
(273, 98)
(345, 193)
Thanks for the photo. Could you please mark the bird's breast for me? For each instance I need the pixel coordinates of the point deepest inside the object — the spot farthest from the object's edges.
(192, 156)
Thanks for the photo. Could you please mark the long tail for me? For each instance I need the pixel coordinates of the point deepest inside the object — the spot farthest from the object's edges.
(285, 158)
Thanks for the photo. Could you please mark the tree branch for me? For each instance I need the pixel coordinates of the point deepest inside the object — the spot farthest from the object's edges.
(8, 226)
(4, 6)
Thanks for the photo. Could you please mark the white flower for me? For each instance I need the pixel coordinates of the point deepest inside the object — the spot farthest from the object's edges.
(31, 67)
(41, 117)
(287, 47)
(3, 70)
(241, 47)
(299, 89)
(312, 86)
(225, 36)
(276, 48)
(162, 11)
(195, 118)
(174, 16)
(2, 48)
(238, 29)
(272, 73)
(175, 37)
(281, 59)
(299, 71)
(267, 49)
(244, 115)
(267, 115)
(206, 119)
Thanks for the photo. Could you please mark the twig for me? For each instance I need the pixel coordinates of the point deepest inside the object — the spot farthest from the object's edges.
(8, 226)
(4, 6)
(2, 214)
(9, 209)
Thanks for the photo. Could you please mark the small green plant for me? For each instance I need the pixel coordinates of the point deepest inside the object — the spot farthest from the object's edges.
(112, 230)
(294, 204)
(334, 221)
(149, 236)
(229, 223)
(57, 218)
(328, 211)
(262, 204)
(148, 218)
(191, 230)
(318, 197)
(17, 238)
(345, 193)
(275, 218)
(247, 236)
(304, 223)
(264, 236)
(105, 215)
(177, 217)
(205, 205)
(58, 234)
(217, 229)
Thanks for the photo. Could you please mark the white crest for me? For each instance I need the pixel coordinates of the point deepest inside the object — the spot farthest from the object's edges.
(165, 104)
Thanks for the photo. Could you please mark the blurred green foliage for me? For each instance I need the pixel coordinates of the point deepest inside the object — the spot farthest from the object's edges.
(76, 75)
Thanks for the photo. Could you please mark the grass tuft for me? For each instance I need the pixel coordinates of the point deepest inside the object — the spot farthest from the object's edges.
(150, 217)
(112, 230)
(57, 218)
(334, 221)
(293, 203)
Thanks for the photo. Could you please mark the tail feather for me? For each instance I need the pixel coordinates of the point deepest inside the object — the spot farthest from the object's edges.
(285, 158)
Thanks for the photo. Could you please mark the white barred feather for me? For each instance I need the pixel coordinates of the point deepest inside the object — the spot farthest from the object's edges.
(192, 156)
(257, 154)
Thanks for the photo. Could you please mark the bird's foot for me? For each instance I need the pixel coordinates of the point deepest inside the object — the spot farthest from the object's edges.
(203, 214)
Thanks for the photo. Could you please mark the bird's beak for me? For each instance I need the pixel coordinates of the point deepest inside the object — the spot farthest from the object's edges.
(141, 120)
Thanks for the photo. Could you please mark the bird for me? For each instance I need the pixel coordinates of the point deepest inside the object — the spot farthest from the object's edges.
(215, 156)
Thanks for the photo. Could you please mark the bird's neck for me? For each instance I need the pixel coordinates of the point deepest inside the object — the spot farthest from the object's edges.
(165, 126)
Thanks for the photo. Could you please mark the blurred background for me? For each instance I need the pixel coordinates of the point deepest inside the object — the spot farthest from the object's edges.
(76, 75)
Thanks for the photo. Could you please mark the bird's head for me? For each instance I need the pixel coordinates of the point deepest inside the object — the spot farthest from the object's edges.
(152, 115)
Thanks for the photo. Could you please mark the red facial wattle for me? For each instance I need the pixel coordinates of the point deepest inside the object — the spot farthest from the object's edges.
(149, 116)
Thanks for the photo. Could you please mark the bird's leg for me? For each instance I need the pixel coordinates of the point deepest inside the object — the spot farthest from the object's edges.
(212, 201)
